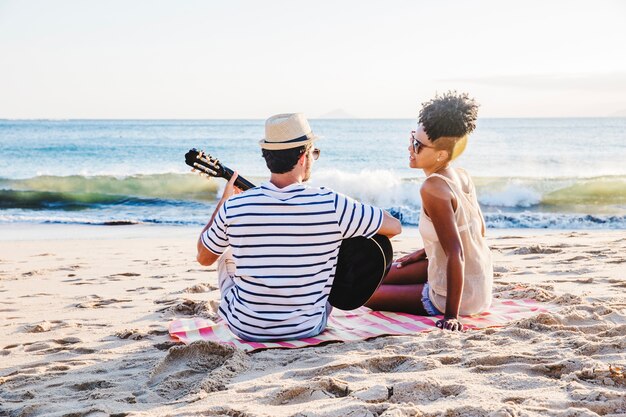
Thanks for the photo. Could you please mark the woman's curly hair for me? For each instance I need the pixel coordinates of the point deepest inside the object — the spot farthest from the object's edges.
(451, 114)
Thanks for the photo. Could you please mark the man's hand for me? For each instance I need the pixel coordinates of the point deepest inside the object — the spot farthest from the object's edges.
(451, 324)
(230, 188)
(416, 256)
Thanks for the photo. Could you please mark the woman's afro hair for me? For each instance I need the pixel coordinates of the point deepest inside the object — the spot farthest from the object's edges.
(451, 114)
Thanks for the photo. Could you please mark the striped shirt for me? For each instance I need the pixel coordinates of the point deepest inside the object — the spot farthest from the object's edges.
(285, 243)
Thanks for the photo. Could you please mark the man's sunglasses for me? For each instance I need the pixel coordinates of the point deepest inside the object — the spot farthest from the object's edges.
(316, 153)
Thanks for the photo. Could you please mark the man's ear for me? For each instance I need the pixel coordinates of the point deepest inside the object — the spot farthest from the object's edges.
(301, 158)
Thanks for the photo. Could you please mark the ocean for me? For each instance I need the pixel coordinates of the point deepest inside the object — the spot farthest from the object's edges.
(530, 173)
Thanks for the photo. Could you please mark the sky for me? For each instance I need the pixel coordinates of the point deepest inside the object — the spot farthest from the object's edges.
(251, 59)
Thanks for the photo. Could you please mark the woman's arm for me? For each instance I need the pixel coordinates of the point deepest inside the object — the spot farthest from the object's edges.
(439, 203)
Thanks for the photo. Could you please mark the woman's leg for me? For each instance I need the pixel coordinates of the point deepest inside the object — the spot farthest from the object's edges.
(401, 289)
(403, 298)
(415, 273)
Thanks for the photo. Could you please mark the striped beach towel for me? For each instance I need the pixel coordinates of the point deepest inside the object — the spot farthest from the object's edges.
(359, 324)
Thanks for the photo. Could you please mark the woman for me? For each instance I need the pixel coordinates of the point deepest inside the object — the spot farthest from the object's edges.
(453, 273)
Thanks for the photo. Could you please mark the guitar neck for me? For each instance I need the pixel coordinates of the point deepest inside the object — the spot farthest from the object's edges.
(241, 183)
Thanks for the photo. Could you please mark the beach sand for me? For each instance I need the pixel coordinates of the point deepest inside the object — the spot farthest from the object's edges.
(83, 332)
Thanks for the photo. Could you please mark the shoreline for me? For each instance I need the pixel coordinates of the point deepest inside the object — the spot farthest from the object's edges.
(50, 231)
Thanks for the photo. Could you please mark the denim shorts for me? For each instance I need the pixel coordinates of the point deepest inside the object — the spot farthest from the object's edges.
(428, 305)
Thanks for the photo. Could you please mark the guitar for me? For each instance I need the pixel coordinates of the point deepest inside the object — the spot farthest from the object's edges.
(361, 265)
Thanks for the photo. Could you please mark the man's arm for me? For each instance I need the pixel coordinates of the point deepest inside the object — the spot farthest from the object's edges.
(205, 256)
(390, 226)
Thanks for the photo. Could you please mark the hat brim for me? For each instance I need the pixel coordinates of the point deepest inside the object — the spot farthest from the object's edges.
(279, 146)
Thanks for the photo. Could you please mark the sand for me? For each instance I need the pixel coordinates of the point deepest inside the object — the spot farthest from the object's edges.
(84, 312)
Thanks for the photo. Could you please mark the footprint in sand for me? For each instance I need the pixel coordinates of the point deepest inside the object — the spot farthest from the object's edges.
(34, 347)
(200, 288)
(523, 291)
(199, 366)
(398, 363)
(535, 249)
(190, 308)
(422, 392)
(317, 389)
(32, 273)
(557, 370)
(166, 345)
(56, 345)
(41, 327)
(131, 334)
(616, 261)
(69, 268)
(495, 363)
(373, 394)
(319, 371)
(99, 302)
(449, 360)
(91, 385)
(383, 364)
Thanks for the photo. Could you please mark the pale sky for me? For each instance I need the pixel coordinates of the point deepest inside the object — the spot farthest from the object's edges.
(250, 59)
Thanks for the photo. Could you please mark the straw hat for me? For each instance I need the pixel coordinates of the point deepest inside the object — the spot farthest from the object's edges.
(286, 131)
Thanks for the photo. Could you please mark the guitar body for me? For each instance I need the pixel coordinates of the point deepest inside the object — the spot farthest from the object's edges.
(362, 262)
(361, 267)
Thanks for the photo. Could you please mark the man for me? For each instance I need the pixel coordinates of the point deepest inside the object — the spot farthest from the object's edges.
(277, 244)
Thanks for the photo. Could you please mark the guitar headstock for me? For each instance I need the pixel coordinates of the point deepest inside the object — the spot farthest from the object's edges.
(204, 163)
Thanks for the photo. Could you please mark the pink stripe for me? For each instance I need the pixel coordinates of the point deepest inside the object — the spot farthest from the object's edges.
(408, 326)
(346, 326)
(342, 328)
(313, 340)
(286, 344)
(208, 333)
(256, 345)
(420, 319)
(366, 332)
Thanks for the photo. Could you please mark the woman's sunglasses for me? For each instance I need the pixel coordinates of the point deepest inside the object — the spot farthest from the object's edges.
(417, 145)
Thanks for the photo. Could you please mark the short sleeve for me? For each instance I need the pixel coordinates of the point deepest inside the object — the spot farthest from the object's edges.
(355, 218)
(215, 238)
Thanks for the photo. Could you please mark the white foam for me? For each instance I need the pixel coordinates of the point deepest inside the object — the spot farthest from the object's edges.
(381, 188)
(513, 195)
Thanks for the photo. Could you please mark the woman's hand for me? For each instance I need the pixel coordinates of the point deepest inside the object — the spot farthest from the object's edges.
(450, 323)
(230, 188)
(416, 256)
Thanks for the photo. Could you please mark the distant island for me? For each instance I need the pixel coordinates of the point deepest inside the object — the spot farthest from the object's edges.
(337, 114)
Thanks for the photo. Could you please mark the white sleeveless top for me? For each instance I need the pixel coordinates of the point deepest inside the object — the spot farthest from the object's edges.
(478, 277)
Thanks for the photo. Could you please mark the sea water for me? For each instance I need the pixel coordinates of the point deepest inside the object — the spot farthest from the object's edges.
(529, 173)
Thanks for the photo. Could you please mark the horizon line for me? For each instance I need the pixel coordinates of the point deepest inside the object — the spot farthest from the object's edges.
(60, 119)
